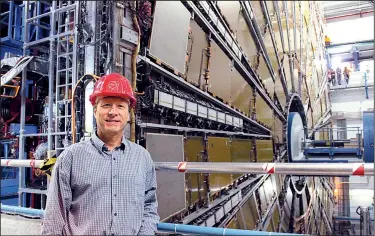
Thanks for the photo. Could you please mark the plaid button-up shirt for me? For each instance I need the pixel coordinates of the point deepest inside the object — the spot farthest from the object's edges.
(95, 191)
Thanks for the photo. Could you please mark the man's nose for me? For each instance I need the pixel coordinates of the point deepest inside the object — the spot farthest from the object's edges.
(113, 110)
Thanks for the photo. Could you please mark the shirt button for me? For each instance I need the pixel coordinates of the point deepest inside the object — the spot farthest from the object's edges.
(115, 194)
(114, 176)
(114, 159)
(115, 214)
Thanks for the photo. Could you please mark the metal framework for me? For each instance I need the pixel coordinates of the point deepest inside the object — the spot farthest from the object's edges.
(64, 37)
(66, 41)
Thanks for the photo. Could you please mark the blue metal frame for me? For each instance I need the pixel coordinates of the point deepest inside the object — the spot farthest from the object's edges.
(368, 136)
(331, 151)
(12, 20)
(9, 179)
(8, 49)
(321, 161)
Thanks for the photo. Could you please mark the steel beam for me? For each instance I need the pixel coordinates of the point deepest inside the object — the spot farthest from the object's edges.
(51, 76)
(290, 51)
(305, 169)
(253, 26)
(238, 64)
(245, 198)
(22, 143)
(300, 51)
(188, 129)
(282, 74)
(204, 94)
(277, 10)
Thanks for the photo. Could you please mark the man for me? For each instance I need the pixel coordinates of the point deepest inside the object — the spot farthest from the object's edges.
(338, 75)
(105, 185)
(346, 74)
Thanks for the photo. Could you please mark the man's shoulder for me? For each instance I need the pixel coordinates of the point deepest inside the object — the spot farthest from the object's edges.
(77, 147)
(136, 148)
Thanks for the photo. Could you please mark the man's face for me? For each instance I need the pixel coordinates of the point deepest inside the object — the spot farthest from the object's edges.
(111, 114)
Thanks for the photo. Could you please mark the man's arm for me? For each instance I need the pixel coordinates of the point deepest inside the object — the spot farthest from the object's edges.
(59, 196)
(150, 216)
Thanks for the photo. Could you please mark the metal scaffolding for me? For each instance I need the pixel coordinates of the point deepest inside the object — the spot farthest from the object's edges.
(63, 17)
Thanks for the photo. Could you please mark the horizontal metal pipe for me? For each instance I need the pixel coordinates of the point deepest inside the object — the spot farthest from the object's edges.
(45, 134)
(176, 228)
(21, 163)
(192, 229)
(348, 218)
(22, 210)
(311, 169)
(347, 15)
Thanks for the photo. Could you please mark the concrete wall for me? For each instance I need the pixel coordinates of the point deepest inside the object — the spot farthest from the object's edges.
(351, 30)
(349, 101)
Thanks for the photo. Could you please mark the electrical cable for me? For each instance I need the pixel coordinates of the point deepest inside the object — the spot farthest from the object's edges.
(94, 77)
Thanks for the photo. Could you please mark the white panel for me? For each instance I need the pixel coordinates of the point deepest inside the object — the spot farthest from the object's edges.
(165, 99)
(213, 17)
(171, 192)
(219, 214)
(192, 108)
(202, 111)
(156, 97)
(241, 123)
(239, 196)
(228, 207)
(212, 114)
(220, 117)
(210, 221)
(178, 104)
(235, 49)
(203, 224)
(221, 28)
(236, 121)
(171, 50)
(229, 39)
(234, 200)
(205, 5)
(228, 119)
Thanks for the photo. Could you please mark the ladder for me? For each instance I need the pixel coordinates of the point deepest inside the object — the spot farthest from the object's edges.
(62, 41)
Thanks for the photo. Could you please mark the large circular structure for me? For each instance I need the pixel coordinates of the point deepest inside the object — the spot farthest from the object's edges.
(295, 136)
(296, 128)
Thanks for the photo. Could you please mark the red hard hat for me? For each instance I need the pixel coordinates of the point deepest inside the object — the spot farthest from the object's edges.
(113, 85)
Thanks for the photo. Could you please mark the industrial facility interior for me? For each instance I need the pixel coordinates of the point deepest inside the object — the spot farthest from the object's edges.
(258, 115)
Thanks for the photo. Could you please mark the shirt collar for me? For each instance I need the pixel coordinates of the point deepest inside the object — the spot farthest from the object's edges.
(100, 145)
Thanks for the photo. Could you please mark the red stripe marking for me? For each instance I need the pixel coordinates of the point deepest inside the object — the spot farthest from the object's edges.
(181, 167)
(32, 163)
(359, 170)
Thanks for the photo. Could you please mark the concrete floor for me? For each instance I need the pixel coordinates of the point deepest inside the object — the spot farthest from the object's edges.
(18, 225)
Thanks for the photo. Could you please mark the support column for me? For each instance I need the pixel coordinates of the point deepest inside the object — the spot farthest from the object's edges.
(356, 59)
